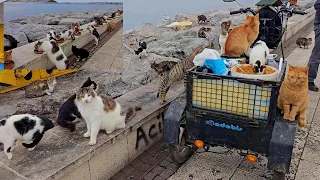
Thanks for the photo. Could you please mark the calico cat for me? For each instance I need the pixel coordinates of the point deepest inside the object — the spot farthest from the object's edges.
(120, 12)
(80, 53)
(98, 21)
(52, 35)
(304, 42)
(241, 37)
(13, 42)
(67, 35)
(95, 33)
(68, 111)
(24, 127)
(163, 66)
(258, 56)
(142, 50)
(202, 19)
(293, 97)
(224, 33)
(75, 27)
(101, 113)
(54, 53)
(202, 32)
(40, 88)
(175, 74)
(111, 27)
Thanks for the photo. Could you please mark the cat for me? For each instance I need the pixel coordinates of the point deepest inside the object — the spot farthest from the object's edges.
(175, 74)
(202, 32)
(120, 12)
(240, 38)
(101, 113)
(97, 21)
(54, 52)
(163, 66)
(40, 88)
(8, 62)
(111, 27)
(113, 15)
(75, 27)
(305, 42)
(68, 111)
(142, 50)
(67, 35)
(258, 56)
(293, 96)
(95, 33)
(224, 33)
(80, 53)
(13, 42)
(24, 127)
(202, 19)
(52, 35)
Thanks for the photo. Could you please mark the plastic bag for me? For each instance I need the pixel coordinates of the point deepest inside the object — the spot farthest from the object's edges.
(217, 66)
(211, 54)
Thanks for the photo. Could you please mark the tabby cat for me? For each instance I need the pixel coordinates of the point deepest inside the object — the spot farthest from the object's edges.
(163, 66)
(304, 42)
(202, 32)
(240, 38)
(40, 88)
(177, 73)
(294, 92)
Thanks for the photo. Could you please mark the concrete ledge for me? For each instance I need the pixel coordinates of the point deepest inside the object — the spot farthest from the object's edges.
(25, 58)
(297, 22)
(65, 155)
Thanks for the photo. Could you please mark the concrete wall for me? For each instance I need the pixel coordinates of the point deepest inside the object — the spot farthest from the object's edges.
(25, 58)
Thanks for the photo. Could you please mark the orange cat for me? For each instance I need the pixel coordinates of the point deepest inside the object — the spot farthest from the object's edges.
(241, 37)
(294, 92)
(8, 56)
(111, 26)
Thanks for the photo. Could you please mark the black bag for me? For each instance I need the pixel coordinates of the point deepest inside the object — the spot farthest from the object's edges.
(270, 30)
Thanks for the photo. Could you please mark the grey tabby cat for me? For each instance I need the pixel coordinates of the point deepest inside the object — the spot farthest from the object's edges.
(305, 42)
(163, 66)
(177, 73)
(40, 88)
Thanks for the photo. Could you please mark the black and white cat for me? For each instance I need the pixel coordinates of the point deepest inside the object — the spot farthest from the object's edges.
(67, 35)
(95, 33)
(142, 50)
(80, 53)
(23, 127)
(52, 35)
(54, 52)
(258, 56)
(68, 111)
(12, 42)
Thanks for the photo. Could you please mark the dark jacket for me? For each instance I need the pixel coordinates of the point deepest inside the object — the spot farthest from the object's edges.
(317, 18)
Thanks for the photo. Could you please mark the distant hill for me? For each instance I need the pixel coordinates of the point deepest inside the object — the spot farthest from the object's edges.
(30, 1)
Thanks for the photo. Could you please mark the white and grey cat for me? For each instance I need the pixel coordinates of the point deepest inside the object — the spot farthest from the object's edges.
(67, 35)
(23, 127)
(258, 56)
(101, 113)
(54, 52)
(40, 88)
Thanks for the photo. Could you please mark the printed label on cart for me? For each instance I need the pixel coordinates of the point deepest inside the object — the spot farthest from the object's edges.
(224, 125)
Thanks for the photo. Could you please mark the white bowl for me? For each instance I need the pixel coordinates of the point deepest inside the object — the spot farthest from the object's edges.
(265, 77)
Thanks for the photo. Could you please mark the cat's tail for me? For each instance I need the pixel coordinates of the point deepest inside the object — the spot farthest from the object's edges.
(66, 124)
(131, 112)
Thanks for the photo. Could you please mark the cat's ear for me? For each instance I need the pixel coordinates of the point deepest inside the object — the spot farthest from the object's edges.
(89, 79)
(306, 69)
(257, 15)
(291, 67)
(10, 51)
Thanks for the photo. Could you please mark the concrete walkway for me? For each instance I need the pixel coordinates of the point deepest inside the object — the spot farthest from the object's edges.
(109, 56)
(305, 163)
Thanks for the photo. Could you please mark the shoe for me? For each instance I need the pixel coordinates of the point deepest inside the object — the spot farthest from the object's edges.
(313, 87)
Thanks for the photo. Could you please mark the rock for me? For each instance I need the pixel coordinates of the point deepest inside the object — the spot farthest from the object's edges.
(165, 20)
(36, 32)
(14, 29)
(69, 21)
(136, 71)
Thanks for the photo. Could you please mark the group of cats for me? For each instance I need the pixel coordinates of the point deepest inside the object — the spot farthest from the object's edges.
(99, 113)
(55, 52)
(293, 97)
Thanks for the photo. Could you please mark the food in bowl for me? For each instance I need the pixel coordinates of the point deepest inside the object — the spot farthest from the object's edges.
(249, 69)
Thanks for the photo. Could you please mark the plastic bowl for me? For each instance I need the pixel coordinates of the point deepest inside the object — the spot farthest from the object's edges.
(265, 77)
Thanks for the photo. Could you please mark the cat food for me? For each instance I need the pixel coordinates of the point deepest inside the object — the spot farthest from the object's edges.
(38, 52)
(269, 70)
(248, 68)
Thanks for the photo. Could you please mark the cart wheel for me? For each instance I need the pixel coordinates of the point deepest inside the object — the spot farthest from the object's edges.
(180, 153)
(279, 175)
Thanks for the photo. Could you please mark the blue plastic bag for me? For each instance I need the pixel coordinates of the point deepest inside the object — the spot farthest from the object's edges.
(217, 66)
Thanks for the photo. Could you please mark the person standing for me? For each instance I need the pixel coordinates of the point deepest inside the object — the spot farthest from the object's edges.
(314, 59)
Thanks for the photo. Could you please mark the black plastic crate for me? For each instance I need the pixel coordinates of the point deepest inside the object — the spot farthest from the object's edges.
(248, 99)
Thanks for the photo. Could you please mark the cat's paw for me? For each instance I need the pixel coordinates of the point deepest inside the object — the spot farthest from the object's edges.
(49, 93)
(302, 124)
(162, 102)
(9, 156)
(286, 117)
(92, 142)
(31, 149)
(108, 132)
(87, 134)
